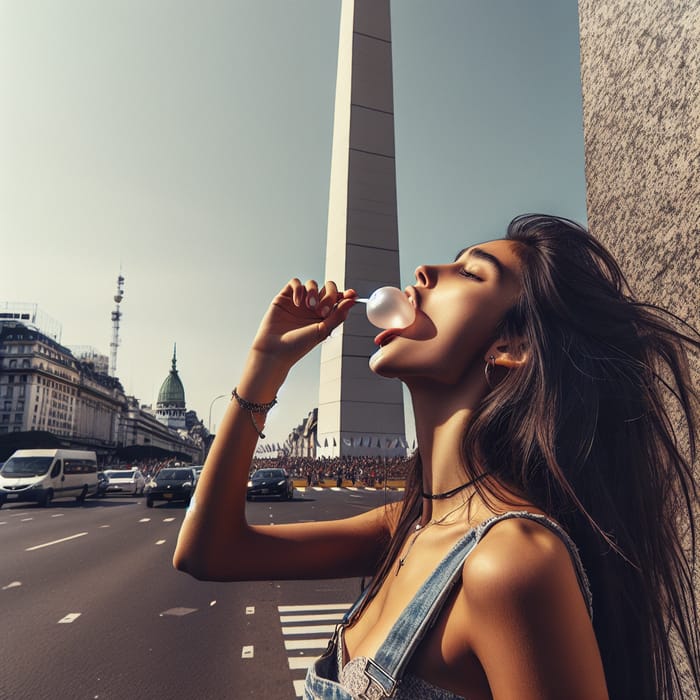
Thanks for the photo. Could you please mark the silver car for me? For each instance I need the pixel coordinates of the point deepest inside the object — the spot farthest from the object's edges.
(128, 481)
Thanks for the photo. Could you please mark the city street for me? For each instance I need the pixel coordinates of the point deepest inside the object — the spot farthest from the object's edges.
(92, 608)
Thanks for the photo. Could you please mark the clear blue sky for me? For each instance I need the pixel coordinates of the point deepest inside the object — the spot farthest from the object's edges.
(189, 144)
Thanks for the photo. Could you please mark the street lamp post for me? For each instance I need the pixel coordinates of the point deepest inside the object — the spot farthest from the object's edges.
(213, 401)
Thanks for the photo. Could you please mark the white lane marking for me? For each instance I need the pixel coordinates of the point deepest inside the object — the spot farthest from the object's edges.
(26, 520)
(353, 488)
(48, 544)
(168, 520)
(317, 488)
(17, 515)
(336, 488)
(71, 617)
(14, 584)
(250, 610)
(370, 488)
(178, 612)
(309, 629)
(160, 542)
(323, 617)
(300, 488)
(247, 652)
(213, 602)
(4, 522)
(318, 606)
(105, 526)
(294, 644)
(58, 515)
(145, 520)
(301, 640)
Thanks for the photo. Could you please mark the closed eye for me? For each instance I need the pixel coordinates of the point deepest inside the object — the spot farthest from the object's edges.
(470, 275)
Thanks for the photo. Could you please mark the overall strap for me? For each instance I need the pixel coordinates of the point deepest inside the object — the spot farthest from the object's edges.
(583, 582)
(390, 662)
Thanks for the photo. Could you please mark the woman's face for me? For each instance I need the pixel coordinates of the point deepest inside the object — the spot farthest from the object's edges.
(458, 308)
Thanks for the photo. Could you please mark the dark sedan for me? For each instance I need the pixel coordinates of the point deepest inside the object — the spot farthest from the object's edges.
(175, 484)
(270, 482)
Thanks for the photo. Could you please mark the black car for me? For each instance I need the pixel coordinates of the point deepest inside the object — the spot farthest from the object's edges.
(270, 482)
(176, 484)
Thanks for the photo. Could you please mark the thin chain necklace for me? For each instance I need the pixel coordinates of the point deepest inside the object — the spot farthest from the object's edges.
(422, 528)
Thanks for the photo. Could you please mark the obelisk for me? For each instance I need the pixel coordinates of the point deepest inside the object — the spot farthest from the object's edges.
(358, 412)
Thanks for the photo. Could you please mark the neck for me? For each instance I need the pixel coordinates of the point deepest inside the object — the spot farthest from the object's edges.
(442, 414)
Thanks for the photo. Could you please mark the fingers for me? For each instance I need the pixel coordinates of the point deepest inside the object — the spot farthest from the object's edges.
(336, 316)
(308, 296)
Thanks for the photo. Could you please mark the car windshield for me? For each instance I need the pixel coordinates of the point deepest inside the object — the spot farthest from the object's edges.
(165, 474)
(269, 474)
(26, 466)
(119, 475)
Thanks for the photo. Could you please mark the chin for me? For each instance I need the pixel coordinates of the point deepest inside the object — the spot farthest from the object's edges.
(381, 365)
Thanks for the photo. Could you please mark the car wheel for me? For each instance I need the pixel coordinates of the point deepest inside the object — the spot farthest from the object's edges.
(149, 502)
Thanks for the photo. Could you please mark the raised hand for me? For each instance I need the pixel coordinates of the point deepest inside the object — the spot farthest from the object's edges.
(299, 318)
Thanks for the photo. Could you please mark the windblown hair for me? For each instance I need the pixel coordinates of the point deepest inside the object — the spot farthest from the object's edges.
(591, 442)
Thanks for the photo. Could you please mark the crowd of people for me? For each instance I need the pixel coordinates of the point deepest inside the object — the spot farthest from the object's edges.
(369, 471)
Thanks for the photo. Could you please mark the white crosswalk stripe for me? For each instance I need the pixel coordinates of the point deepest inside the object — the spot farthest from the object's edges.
(305, 639)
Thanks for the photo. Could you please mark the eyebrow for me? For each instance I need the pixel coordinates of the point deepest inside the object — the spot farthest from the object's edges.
(483, 255)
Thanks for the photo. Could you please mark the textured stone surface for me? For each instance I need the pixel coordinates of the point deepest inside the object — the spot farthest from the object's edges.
(640, 70)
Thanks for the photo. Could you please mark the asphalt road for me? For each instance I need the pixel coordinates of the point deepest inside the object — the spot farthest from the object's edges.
(90, 606)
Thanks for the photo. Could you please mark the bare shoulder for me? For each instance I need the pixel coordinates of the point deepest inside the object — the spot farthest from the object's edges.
(525, 617)
(516, 562)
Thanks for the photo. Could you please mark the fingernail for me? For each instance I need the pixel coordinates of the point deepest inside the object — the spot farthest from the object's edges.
(324, 311)
(312, 301)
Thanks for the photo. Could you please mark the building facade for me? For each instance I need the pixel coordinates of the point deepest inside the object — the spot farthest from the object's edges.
(45, 389)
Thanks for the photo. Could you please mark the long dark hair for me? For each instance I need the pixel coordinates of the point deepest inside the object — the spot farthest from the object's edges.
(592, 443)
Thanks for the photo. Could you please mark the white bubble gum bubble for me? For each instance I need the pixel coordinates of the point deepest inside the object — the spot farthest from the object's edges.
(389, 307)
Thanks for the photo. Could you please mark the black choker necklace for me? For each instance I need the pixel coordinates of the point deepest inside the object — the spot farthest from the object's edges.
(452, 492)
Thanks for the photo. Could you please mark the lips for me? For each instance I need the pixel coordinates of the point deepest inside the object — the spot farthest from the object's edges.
(385, 336)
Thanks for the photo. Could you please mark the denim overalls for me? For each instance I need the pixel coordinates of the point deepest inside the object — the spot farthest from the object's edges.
(385, 671)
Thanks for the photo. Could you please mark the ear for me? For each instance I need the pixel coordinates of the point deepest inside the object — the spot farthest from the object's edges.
(509, 354)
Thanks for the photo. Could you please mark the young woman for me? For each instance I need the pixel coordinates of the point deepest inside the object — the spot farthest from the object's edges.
(539, 388)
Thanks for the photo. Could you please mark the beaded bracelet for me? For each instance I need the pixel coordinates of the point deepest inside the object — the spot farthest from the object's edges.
(252, 408)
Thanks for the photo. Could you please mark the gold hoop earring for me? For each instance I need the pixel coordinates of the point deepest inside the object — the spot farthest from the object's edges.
(490, 364)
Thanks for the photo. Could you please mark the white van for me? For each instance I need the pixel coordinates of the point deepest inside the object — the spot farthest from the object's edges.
(42, 475)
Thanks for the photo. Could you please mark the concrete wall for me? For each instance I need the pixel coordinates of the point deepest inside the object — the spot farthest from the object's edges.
(640, 69)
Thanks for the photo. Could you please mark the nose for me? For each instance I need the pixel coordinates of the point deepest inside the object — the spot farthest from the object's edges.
(425, 275)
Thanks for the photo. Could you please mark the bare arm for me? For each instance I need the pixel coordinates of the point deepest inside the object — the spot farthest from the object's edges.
(215, 540)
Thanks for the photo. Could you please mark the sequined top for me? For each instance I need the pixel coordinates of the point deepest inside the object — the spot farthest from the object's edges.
(352, 677)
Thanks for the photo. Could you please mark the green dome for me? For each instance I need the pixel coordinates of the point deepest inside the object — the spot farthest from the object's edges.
(171, 391)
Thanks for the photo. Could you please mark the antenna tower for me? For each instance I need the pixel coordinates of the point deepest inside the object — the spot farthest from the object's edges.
(116, 316)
